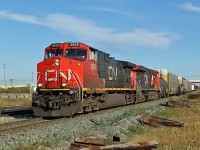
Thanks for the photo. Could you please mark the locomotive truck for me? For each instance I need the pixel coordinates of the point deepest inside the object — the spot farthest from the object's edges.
(76, 78)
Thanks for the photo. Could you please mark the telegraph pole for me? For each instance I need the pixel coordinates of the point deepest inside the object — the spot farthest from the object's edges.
(4, 68)
(11, 82)
(32, 77)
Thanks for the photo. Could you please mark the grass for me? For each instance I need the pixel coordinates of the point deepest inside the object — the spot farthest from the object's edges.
(135, 129)
(192, 95)
(18, 102)
(15, 90)
(176, 138)
(21, 102)
(126, 114)
(36, 145)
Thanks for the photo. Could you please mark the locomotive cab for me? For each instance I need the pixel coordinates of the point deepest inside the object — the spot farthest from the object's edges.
(60, 80)
(62, 66)
(68, 74)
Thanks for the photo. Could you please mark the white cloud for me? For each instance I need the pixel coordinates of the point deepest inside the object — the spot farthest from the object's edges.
(19, 17)
(111, 10)
(190, 7)
(77, 26)
(88, 31)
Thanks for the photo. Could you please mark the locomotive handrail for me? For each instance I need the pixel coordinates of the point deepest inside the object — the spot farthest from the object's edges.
(79, 84)
(78, 78)
(39, 76)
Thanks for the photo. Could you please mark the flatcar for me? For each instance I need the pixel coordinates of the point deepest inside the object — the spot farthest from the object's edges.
(76, 78)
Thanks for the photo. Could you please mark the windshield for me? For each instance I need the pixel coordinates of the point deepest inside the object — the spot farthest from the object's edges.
(76, 53)
(52, 53)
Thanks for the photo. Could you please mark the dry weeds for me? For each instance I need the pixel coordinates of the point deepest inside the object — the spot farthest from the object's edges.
(173, 138)
(9, 103)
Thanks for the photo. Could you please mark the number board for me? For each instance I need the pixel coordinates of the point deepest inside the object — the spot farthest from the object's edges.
(55, 45)
(74, 44)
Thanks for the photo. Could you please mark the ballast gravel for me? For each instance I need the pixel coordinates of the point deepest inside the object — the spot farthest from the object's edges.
(59, 136)
(4, 120)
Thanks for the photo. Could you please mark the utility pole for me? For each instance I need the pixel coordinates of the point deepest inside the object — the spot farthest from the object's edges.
(31, 85)
(11, 82)
(32, 77)
(4, 68)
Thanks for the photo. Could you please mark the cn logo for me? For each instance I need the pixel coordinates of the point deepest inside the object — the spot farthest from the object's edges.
(93, 67)
(112, 73)
(51, 75)
(68, 77)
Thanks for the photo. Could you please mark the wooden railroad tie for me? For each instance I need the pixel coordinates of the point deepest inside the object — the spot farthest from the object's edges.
(103, 144)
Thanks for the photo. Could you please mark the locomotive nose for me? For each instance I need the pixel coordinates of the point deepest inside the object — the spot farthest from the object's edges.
(51, 72)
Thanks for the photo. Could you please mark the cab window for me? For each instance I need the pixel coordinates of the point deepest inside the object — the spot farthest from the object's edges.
(76, 53)
(93, 54)
(52, 53)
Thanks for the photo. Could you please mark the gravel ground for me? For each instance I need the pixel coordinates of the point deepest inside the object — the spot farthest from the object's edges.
(60, 136)
(11, 119)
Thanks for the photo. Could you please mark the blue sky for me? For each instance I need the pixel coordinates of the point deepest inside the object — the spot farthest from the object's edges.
(155, 34)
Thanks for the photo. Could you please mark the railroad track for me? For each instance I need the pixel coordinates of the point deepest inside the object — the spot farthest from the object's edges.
(33, 123)
(20, 125)
(17, 112)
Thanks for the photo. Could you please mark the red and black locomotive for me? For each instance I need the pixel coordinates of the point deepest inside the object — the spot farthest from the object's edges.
(75, 78)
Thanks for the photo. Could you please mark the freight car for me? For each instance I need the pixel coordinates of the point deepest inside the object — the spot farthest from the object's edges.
(75, 78)
(185, 85)
(172, 82)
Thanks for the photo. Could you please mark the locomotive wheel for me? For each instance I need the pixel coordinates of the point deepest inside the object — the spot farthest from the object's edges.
(88, 108)
(96, 106)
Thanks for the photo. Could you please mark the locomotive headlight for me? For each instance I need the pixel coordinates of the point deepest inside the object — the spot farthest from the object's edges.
(71, 92)
(39, 84)
(57, 62)
(34, 89)
(64, 84)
